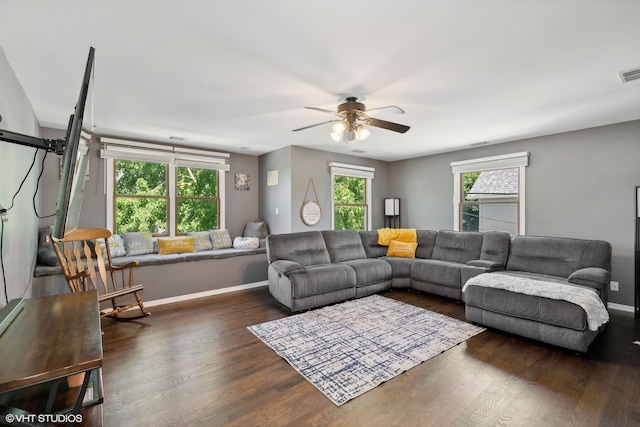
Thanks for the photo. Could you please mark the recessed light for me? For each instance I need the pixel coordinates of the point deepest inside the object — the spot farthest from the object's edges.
(245, 148)
(178, 138)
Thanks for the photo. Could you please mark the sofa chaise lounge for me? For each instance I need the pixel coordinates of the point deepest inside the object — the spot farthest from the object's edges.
(316, 268)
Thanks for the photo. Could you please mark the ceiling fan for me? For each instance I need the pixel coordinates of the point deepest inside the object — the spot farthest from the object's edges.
(352, 115)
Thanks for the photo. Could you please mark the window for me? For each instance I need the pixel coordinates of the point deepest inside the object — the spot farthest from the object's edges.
(141, 196)
(349, 204)
(489, 193)
(166, 190)
(351, 195)
(197, 199)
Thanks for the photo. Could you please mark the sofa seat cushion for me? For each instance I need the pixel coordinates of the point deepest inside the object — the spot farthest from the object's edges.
(400, 267)
(443, 273)
(321, 279)
(370, 271)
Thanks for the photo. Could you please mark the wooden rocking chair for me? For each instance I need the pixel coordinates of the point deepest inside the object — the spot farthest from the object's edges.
(80, 253)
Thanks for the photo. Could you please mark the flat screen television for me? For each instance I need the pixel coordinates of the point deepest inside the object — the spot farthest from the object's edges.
(74, 163)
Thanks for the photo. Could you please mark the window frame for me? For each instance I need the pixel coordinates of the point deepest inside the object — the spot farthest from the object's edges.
(352, 171)
(174, 157)
(507, 161)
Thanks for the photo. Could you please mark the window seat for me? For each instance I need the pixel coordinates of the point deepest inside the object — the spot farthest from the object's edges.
(156, 259)
(175, 275)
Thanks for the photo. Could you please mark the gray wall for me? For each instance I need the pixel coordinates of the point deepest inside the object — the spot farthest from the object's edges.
(276, 196)
(578, 184)
(20, 233)
(296, 166)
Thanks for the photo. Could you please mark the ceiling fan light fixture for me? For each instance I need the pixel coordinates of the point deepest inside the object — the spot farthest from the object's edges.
(339, 127)
(362, 133)
(336, 136)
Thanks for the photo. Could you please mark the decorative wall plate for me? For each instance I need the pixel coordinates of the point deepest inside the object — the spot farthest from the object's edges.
(310, 212)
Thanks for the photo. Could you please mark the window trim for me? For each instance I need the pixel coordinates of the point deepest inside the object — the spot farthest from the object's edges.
(506, 161)
(112, 149)
(353, 171)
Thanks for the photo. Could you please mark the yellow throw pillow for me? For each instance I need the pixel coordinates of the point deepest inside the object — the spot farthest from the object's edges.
(402, 249)
(386, 235)
(174, 245)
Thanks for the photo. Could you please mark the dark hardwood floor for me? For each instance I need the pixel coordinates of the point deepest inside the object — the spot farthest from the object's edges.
(195, 363)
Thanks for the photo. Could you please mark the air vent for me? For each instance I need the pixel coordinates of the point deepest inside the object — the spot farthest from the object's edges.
(478, 144)
(358, 151)
(630, 75)
(178, 138)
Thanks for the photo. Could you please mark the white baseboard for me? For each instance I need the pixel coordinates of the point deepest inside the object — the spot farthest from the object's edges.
(620, 307)
(181, 298)
(188, 297)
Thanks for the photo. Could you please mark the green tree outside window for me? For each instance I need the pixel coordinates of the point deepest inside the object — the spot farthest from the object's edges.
(350, 208)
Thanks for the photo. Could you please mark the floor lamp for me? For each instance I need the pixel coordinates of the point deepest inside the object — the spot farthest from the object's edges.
(392, 213)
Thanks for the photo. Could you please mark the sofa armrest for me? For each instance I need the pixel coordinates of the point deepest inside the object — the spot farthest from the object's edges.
(286, 267)
(486, 264)
(591, 276)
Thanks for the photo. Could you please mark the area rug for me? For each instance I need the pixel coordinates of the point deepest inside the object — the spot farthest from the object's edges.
(347, 349)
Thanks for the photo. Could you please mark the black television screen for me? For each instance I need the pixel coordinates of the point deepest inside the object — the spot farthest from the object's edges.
(75, 162)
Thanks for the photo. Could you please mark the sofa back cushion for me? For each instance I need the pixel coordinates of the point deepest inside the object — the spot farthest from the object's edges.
(495, 247)
(458, 246)
(306, 248)
(343, 245)
(370, 244)
(557, 256)
(426, 243)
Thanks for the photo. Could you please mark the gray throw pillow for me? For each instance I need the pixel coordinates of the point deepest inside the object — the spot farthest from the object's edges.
(220, 239)
(138, 243)
(116, 246)
(255, 229)
(201, 240)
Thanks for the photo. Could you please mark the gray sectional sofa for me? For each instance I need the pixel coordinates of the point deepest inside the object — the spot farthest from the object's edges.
(316, 268)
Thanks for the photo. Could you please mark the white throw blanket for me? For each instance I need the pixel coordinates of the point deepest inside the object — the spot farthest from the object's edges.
(597, 314)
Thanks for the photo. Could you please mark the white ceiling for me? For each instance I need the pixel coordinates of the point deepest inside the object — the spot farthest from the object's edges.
(235, 75)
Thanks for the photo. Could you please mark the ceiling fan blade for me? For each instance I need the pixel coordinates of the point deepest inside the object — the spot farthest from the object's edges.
(390, 109)
(317, 124)
(324, 110)
(386, 125)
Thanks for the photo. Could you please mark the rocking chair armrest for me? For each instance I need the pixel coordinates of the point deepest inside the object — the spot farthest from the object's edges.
(79, 275)
(125, 266)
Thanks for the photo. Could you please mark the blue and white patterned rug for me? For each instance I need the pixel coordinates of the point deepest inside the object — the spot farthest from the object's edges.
(347, 349)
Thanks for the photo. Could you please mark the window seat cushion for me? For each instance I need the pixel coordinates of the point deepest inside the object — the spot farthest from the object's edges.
(156, 259)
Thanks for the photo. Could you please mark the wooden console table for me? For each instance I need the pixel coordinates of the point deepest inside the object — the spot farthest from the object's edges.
(52, 339)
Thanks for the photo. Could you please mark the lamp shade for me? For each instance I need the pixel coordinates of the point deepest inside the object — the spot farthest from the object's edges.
(391, 207)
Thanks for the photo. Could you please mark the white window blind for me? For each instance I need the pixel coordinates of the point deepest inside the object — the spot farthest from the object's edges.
(355, 171)
(142, 151)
